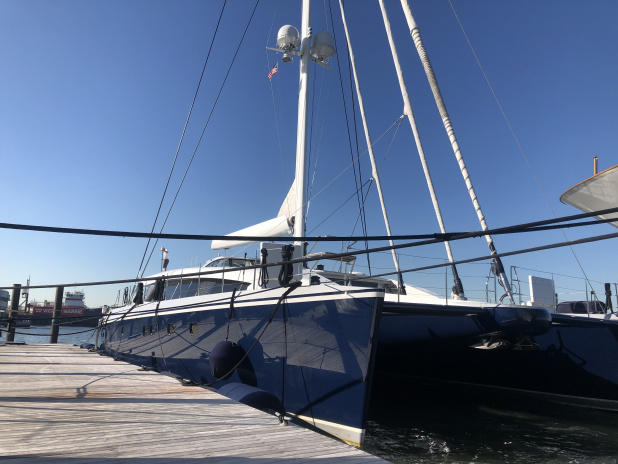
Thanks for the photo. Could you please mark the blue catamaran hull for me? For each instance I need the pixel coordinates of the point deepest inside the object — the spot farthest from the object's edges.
(310, 355)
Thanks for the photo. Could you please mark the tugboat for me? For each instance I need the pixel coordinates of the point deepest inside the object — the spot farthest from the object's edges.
(74, 311)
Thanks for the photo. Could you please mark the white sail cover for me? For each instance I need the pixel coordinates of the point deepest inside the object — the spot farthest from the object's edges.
(595, 193)
(272, 228)
(288, 208)
(281, 225)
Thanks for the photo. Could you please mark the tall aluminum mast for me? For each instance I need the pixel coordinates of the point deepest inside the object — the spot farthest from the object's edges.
(301, 130)
(290, 44)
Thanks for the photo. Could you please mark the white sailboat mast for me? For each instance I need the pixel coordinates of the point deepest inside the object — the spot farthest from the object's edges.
(301, 131)
(420, 48)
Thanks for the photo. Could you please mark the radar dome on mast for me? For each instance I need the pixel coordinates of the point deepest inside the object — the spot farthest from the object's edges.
(288, 40)
(322, 48)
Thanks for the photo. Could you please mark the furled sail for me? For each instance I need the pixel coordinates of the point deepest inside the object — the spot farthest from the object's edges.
(281, 225)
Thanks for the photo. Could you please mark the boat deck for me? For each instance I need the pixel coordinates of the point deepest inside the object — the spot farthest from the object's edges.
(63, 404)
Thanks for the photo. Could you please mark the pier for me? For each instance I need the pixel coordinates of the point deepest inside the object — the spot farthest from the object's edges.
(63, 404)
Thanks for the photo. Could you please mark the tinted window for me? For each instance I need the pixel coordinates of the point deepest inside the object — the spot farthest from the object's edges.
(217, 263)
(172, 289)
(188, 288)
(212, 286)
(579, 308)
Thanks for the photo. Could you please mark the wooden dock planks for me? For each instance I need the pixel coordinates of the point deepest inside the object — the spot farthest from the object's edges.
(62, 404)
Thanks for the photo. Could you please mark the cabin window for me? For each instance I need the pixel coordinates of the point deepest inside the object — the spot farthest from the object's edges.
(209, 286)
(194, 328)
(231, 262)
(205, 287)
(172, 289)
(188, 288)
(152, 329)
(152, 291)
(364, 283)
(122, 330)
(144, 330)
(170, 329)
(218, 263)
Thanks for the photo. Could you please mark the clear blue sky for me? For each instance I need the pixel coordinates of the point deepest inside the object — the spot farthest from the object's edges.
(94, 96)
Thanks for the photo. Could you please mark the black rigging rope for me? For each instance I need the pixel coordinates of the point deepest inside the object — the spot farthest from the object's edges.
(184, 130)
(359, 191)
(547, 224)
(426, 239)
(207, 122)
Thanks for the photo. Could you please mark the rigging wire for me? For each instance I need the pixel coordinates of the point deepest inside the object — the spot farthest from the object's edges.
(315, 164)
(521, 149)
(344, 170)
(354, 194)
(272, 92)
(502, 255)
(319, 138)
(310, 137)
(383, 161)
(204, 129)
(424, 240)
(184, 130)
(359, 179)
(548, 224)
(351, 165)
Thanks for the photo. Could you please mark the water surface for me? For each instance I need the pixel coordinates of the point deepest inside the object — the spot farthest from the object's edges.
(429, 424)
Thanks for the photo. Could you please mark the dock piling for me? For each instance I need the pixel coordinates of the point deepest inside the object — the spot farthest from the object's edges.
(53, 337)
(10, 328)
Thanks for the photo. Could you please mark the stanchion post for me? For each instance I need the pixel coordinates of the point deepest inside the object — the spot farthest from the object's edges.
(53, 337)
(10, 328)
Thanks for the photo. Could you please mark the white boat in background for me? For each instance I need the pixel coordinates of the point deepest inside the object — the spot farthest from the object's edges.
(596, 193)
(22, 318)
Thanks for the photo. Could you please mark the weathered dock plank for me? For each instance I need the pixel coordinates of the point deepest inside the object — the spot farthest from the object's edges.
(62, 404)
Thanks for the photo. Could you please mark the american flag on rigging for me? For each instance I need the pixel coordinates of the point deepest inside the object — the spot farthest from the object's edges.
(273, 71)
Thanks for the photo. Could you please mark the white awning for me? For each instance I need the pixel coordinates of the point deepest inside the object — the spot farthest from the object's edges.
(596, 193)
